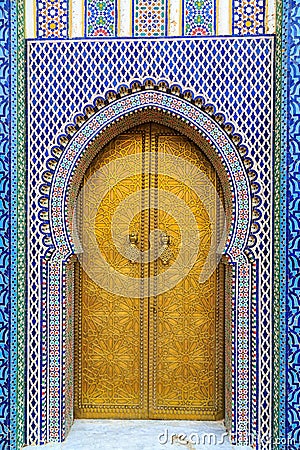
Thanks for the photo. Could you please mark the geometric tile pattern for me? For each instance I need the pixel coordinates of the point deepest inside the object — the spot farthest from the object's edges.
(101, 17)
(81, 71)
(248, 17)
(52, 19)
(150, 18)
(289, 317)
(199, 17)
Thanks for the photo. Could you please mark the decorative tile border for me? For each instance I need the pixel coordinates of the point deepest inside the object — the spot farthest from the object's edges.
(279, 234)
(213, 134)
(21, 172)
(150, 19)
(18, 229)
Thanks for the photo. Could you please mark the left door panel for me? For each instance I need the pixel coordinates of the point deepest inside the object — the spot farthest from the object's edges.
(111, 335)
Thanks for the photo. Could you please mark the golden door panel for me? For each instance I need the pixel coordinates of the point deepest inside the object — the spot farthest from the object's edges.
(111, 330)
(159, 356)
(185, 327)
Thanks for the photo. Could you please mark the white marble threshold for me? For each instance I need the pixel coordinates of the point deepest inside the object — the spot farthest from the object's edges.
(143, 435)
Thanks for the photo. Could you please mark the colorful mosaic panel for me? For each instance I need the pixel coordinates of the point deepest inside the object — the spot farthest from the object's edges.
(150, 18)
(17, 227)
(248, 17)
(199, 17)
(101, 16)
(52, 19)
(291, 316)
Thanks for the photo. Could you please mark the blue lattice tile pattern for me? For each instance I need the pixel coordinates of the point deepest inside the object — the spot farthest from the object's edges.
(199, 17)
(52, 19)
(248, 17)
(83, 70)
(101, 16)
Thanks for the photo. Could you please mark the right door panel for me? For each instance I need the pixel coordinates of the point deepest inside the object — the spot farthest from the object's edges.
(186, 322)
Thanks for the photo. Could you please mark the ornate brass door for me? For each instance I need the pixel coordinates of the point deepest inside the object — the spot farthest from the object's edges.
(158, 353)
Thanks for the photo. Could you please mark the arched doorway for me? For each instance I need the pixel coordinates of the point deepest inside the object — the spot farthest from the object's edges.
(149, 341)
(65, 169)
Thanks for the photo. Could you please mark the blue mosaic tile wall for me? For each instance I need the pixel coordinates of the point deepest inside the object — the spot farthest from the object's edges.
(290, 381)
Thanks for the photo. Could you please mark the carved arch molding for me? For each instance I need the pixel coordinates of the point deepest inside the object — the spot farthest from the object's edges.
(76, 148)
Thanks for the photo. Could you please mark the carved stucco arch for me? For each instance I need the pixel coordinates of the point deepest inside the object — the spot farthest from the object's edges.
(63, 179)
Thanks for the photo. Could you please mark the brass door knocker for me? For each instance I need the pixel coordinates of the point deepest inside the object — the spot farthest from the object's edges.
(167, 253)
(133, 253)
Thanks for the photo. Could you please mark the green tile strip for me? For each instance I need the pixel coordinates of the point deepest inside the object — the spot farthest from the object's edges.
(279, 225)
